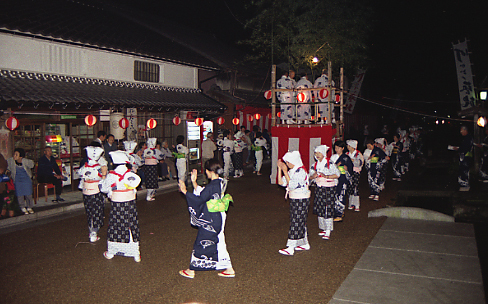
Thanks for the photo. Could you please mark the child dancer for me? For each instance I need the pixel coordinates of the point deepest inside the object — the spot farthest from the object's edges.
(377, 158)
(91, 174)
(181, 156)
(258, 145)
(345, 166)
(228, 149)
(358, 161)
(123, 234)
(152, 156)
(325, 175)
(293, 176)
(207, 207)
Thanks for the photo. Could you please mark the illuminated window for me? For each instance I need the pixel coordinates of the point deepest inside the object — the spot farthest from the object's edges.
(145, 71)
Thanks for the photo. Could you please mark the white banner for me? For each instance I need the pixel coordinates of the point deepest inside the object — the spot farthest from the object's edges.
(465, 77)
(133, 128)
(354, 92)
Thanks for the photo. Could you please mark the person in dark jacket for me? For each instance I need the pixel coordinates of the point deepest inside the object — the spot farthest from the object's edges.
(48, 172)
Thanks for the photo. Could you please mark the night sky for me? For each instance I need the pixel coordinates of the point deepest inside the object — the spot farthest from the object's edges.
(411, 44)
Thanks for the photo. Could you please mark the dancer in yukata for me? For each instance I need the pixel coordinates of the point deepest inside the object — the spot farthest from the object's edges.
(376, 161)
(293, 175)
(358, 161)
(286, 98)
(91, 174)
(325, 175)
(382, 144)
(123, 234)
(129, 147)
(323, 108)
(207, 207)
(181, 156)
(152, 156)
(396, 158)
(465, 158)
(258, 145)
(345, 166)
(303, 108)
(228, 148)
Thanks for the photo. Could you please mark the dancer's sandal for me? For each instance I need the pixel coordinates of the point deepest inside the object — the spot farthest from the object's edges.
(325, 237)
(186, 274)
(226, 275)
(285, 252)
(108, 256)
(302, 248)
(338, 219)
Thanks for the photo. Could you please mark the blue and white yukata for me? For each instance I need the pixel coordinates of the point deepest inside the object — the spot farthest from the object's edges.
(353, 190)
(258, 145)
(181, 156)
(377, 161)
(93, 199)
(286, 99)
(325, 193)
(323, 108)
(123, 234)
(396, 159)
(228, 149)
(304, 112)
(210, 249)
(342, 161)
(152, 156)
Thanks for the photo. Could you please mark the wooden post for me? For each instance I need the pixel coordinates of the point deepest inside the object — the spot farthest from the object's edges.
(329, 83)
(341, 117)
(273, 94)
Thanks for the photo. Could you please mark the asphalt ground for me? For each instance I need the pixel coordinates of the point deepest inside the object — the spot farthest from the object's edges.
(54, 263)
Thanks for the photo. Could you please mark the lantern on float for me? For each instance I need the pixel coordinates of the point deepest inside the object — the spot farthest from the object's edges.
(90, 120)
(176, 120)
(250, 118)
(151, 123)
(338, 98)
(235, 121)
(199, 121)
(124, 123)
(278, 114)
(301, 97)
(257, 116)
(268, 94)
(323, 94)
(269, 115)
(220, 120)
(12, 123)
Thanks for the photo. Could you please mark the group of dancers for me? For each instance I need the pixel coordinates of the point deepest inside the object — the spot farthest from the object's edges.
(207, 206)
(335, 178)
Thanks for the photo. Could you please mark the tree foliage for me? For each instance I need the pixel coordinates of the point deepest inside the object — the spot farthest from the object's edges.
(294, 31)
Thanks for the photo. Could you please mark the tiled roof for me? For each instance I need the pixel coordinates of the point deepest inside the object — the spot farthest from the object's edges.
(94, 24)
(36, 88)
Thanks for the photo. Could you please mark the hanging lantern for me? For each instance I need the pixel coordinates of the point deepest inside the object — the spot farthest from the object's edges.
(124, 123)
(12, 123)
(199, 121)
(338, 98)
(220, 120)
(176, 120)
(278, 114)
(301, 97)
(323, 94)
(257, 116)
(250, 118)
(151, 123)
(235, 121)
(268, 94)
(90, 120)
(269, 115)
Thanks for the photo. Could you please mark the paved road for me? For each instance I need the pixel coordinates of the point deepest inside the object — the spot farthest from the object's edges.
(54, 263)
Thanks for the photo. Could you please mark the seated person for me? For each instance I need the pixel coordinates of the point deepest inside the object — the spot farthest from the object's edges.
(48, 172)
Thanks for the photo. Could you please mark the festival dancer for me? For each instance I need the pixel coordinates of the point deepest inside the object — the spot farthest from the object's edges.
(228, 149)
(323, 107)
(123, 234)
(303, 108)
(239, 146)
(325, 175)
(207, 207)
(396, 158)
(376, 159)
(358, 161)
(293, 175)
(181, 156)
(258, 145)
(91, 174)
(345, 166)
(381, 143)
(152, 156)
(286, 99)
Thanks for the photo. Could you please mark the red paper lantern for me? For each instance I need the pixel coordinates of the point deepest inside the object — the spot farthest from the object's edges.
(338, 98)
(90, 120)
(235, 121)
(301, 97)
(124, 123)
(278, 114)
(268, 94)
(220, 120)
(176, 120)
(323, 94)
(199, 121)
(151, 123)
(250, 118)
(269, 115)
(257, 116)
(12, 123)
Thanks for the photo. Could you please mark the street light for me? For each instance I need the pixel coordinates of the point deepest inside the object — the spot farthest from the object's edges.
(483, 95)
(481, 121)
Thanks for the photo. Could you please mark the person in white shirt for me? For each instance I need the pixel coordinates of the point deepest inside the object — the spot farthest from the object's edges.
(259, 144)
(208, 148)
(228, 149)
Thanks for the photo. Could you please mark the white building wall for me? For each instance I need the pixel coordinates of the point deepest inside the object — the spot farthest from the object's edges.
(33, 55)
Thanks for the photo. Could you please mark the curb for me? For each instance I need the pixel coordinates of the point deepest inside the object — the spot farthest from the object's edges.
(411, 213)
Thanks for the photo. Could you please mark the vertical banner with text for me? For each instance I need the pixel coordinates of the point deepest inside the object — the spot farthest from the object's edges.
(354, 92)
(465, 77)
